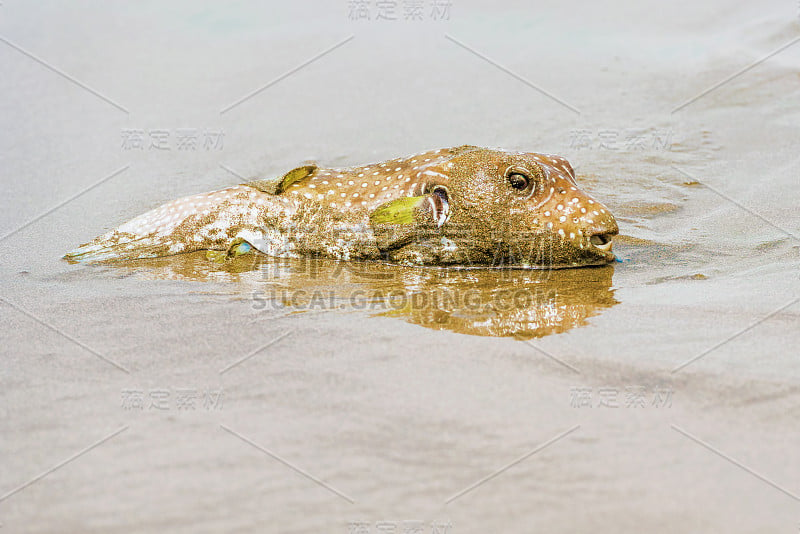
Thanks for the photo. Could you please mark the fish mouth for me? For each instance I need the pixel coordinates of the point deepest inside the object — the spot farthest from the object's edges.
(602, 242)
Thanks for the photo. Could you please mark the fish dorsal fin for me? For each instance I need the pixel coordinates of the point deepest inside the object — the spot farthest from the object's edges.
(279, 186)
(294, 176)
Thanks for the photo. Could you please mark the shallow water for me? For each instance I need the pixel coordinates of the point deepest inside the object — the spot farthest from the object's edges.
(500, 302)
(657, 394)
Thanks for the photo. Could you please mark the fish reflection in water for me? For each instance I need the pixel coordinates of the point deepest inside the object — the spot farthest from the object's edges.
(521, 303)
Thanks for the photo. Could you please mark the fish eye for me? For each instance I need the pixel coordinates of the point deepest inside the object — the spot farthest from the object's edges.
(518, 181)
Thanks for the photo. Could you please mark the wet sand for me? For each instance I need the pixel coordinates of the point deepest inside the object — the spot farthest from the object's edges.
(658, 394)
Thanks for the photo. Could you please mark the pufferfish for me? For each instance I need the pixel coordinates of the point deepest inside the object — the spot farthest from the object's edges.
(465, 205)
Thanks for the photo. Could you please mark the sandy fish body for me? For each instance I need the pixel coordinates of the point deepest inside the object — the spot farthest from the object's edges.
(464, 205)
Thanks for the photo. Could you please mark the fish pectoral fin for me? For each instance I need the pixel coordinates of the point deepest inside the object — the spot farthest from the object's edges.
(401, 211)
(401, 221)
(431, 209)
(238, 247)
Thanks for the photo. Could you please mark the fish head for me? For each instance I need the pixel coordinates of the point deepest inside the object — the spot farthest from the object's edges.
(519, 208)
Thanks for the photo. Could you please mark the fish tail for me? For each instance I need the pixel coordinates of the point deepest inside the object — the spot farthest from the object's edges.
(198, 222)
(113, 247)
